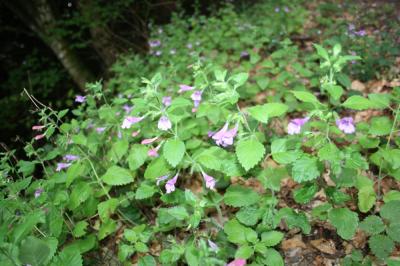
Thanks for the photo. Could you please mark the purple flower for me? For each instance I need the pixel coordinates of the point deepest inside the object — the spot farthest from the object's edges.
(61, 166)
(224, 137)
(351, 27)
(148, 141)
(153, 152)
(196, 97)
(189, 46)
(277, 9)
(172, 51)
(38, 192)
(100, 129)
(210, 181)
(130, 120)
(212, 245)
(286, 9)
(158, 53)
(294, 126)
(127, 108)
(183, 88)
(346, 125)
(360, 33)
(71, 157)
(161, 178)
(80, 99)
(170, 185)
(167, 100)
(244, 54)
(154, 43)
(164, 123)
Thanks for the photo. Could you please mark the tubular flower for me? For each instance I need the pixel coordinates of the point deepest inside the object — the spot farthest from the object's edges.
(39, 128)
(224, 137)
(61, 166)
(294, 126)
(127, 108)
(38, 192)
(183, 88)
(37, 137)
(148, 141)
(196, 97)
(237, 262)
(212, 245)
(130, 120)
(164, 123)
(71, 157)
(346, 125)
(170, 185)
(80, 99)
(161, 178)
(166, 101)
(210, 181)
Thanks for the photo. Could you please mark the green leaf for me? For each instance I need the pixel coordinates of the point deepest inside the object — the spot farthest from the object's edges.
(335, 91)
(381, 245)
(141, 247)
(106, 208)
(80, 229)
(273, 258)
(248, 215)
(292, 219)
(74, 171)
(305, 96)
(321, 51)
(117, 176)
(144, 191)
(391, 211)
(238, 196)
(305, 169)
(372, 225)
(357, 102)
(174, 149)
(124, 251)
(305, 194)
(118, 150)
(107, 228)
(393, 230)
(380, 100)
(271, 238)
(157, 168)
(34, 251)
(391, 195)
(345, 222)
(244, 252)
(239, 234)
(68, 257)
(366, 198)
(249, 153)
(258, 113)
(380, 126)
(80, 193)
(137, 156)
(147, 261)
(178, 212)
(263, 112)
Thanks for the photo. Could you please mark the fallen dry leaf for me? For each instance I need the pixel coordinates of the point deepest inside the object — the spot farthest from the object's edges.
(294, 242)
(323, 245)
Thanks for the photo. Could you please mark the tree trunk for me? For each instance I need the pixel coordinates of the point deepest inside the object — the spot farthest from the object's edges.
(40, 18)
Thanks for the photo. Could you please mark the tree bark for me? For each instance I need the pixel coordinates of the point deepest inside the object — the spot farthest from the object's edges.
(40, 18)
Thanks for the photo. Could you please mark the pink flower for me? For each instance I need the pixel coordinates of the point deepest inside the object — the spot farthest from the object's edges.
(127, 108)
(100, 129)
(183, 88)
(153, 152)
(38, 192)
(80, 99)
(212, 245)
(196, 97)
(164, 123)
(210, 181)
(167, 100)
(135, 133)
(346, 125)
(161, 178)
(71, 157)
(148, 141)
(294, 126)
(61, 166)
(130, 120)
(170, 185)
(37, 137)
(237, 262)
(224, 137)
(39, 128)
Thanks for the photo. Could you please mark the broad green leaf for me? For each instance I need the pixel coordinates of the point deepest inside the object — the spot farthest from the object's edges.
(80, 193)
(157, 168)
(366, 198)
(335, 91)
(118, 150)
(124, 251)
(391, 195)
(305, 169)
(249, 153)
(380, 100)
(68, 257)
(273, 258)
(80, 229)
(248, 215)
(292, 219)
(345, 222)
(391, 211)
(357, 102)
(244, 252)
(107, 228)
(137, 156)
(372, 225)
(106, 208)
(117, 176)
(380, 126)
(322, 52)
(34, 251)
(74, 171)
(174, 149)
(393, 231)
(144, 191)
(305, 194)
(263, 112)
(271, 238)
(147, 261)
(178, 212)
(238, 196)
(306, 97)
(239, 234)
(381, 245)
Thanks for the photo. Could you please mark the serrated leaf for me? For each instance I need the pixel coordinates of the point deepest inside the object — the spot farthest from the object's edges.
(372, 225)
(117, 176)
(34, 251)
(345, 222)
(244, 252)
(380, 126)
(357, 102)
(238, 196)
(366, 198)
(107, 228)
(144, 191)
(381, 246)
(271, 238)
(137, 156)
(305, 169)
(237, 233)
(391, 211)
(106, 208)
(68, 257)
(118, 150)
(305, 194)
(273, 258)
(147, 261)
(174, 149)
(263, 112)
(305, 96)
(248, 215)
(157, 168)
(249, 153)
(80, 229)
(393, 231)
